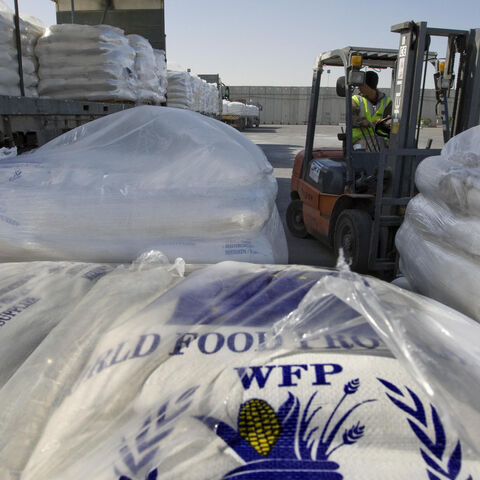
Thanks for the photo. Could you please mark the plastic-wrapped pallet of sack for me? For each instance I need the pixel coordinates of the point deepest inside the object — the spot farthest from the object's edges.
(114, 296)
(247, 371)
(196, 189)
(213, 99)
(237, 108)
(30, 30)
(198, 92)
(179, 90)
(438, 241)
(145, 70)
(34, 297)
(86, 63)
(161, 72)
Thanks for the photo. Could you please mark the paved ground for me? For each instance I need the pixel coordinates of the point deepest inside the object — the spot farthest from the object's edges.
(281, 143)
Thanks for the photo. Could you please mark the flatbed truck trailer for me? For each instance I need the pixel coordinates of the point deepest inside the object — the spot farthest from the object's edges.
(30, 122)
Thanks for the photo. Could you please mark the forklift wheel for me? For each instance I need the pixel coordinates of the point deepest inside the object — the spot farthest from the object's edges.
(352, 234)
(295, 219)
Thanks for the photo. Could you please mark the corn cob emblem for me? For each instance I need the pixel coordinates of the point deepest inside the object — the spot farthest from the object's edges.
(258, 425)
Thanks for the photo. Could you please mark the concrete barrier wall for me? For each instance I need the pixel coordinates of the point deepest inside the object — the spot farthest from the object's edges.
(289, 105)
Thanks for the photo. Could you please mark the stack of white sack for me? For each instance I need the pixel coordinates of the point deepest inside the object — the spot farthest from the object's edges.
(179, 90)
(252, 111)
(30, 30)
(34, 298)
(198, 92)
(234, 108)
(147, 83)
(247, 371)
(144, 178)
(86, 63)
(439, 241)
(212, 99)
(161, 72)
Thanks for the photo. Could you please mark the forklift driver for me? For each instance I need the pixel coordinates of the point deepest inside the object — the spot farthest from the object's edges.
(368, 110)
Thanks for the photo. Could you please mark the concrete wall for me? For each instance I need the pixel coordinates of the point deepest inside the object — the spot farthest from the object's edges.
(289, 105)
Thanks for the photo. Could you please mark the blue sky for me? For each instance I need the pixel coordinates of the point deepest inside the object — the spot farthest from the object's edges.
(275, 42)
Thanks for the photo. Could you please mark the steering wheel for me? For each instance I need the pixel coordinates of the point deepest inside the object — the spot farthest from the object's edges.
(382, 127)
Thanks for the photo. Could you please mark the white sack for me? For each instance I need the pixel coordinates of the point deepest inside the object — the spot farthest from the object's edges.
(30, 30)
(145, 178)
(34, 298)
(439, 270)
(212, 377)
(45, 378)
(86, 63)
(438, 240)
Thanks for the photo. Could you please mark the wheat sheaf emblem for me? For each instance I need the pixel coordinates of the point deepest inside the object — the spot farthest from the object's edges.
(286, 442)
(441, 464)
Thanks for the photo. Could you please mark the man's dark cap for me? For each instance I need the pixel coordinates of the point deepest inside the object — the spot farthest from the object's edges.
(371, 79)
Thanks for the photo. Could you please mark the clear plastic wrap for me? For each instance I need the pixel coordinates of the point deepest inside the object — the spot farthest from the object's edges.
(34, 298)
(147, 83)
(161, 72)
(438, 240)
(248, 371)
(179, 90)
(196, 189)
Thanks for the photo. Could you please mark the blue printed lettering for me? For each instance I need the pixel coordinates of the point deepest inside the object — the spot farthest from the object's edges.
(262, 342)
(115, 359)
(342, 343)
(183, 341)
(257, 374)
(247, 343)
(287, 374)
(366, 342)
(155, 341)
(99, 364)
(202, 342)
(321, 372)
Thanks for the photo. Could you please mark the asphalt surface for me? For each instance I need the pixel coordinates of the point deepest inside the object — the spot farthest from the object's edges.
(280, 144)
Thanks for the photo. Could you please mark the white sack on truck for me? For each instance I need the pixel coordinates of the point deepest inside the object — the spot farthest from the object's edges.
(85, 62)
(161, 72)
(147, 82)
(179, 90)
(439, 239)
(31, 29)
(142, 179)
(251, 371)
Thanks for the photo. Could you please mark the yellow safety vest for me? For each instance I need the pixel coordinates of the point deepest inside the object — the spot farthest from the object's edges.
(371, 113)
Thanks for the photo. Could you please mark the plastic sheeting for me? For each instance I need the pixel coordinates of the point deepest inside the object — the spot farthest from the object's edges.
(30, 30)
(34, 298)
(86, 63)
(148, 85)
(246, 371)
(145, 178)
(438, 241)
(179, 90)
(161, 72)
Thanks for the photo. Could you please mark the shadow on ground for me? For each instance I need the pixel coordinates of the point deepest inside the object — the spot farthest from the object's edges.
(280, 156)
(262, 129)
(301, 251)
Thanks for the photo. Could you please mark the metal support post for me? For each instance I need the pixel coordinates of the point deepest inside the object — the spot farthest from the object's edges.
(19, 49)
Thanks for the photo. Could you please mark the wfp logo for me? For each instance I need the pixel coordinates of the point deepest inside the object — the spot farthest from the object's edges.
(290, 442)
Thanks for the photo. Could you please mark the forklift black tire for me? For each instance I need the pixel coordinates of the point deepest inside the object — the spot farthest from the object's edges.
(352, 234)
(294, 217)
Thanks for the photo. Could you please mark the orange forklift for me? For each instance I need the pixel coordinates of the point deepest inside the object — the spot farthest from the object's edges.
(354, 199)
